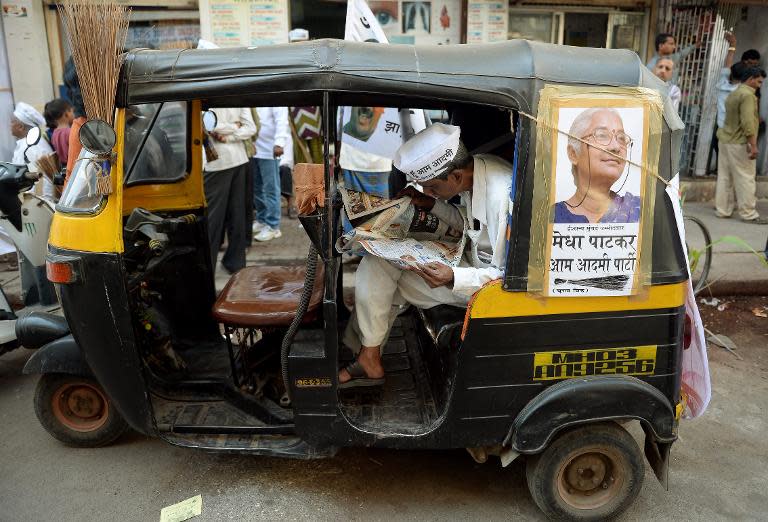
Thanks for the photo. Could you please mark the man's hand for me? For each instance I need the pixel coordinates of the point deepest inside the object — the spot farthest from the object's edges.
(435, 274)
(730, 38)
(751, 151)
(418, 199)
(277, 151)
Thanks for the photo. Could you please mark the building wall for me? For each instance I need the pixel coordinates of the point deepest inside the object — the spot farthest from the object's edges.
(28, 59)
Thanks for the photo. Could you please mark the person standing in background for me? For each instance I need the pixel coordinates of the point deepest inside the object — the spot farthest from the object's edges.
(663, 69)
(24, 118)
(75, 96)
(666, 47)
(274, 132)
(736, 164)
(729, 80)
(224, 184)
(59, 115)
(286, 178)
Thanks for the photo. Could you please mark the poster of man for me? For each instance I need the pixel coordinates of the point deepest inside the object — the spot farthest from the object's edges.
(378, 130)
(597, 183)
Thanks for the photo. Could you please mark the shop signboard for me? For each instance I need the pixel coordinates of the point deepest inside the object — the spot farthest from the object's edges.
(487, 21)
(244, 23)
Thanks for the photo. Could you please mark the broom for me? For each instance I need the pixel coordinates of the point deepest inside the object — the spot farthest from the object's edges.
(97, 30)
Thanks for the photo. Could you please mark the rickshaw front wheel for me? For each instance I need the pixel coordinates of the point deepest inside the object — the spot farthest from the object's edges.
(593, 472)
(75, 410)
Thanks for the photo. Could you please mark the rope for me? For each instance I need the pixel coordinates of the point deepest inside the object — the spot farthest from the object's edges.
(641, 166)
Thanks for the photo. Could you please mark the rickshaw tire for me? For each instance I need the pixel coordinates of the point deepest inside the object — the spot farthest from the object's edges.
(100, 429)
(543, 473)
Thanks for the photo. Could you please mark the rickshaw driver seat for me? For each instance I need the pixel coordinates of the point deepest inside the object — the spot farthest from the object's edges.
(263, 296)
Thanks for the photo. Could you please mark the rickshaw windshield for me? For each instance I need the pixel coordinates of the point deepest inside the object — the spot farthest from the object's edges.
(81, 194)
(156, 143)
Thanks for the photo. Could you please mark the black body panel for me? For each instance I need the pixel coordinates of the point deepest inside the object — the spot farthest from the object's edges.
(590, 399)
(99, 316)
(60, 356)
(496, 362)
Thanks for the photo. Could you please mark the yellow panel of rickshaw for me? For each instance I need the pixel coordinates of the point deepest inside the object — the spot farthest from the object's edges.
(493, 302)
(186, 194)
(102, 232)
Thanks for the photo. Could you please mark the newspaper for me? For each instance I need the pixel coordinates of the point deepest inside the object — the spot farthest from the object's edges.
(401, 232)
(359, 204)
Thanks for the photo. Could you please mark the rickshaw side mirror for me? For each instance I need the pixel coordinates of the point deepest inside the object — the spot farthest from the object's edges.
(33, 136)
(210, 120)
(98, 137)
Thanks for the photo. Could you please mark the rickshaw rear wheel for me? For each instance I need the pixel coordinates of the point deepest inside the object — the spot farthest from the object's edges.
(76, 411)
(593, 472)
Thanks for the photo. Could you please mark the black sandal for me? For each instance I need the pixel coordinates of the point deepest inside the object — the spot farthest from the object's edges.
(359, 377)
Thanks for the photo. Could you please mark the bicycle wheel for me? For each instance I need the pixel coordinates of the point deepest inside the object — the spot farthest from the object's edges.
(698, 243)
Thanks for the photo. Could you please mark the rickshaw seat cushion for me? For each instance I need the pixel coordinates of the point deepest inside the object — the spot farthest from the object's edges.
(261, 296)
(443, 324)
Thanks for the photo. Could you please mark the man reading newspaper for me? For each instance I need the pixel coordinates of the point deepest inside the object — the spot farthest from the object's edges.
(437, 160)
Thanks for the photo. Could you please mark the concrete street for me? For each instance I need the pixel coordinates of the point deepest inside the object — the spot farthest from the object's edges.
(719, 466)
(718, 469)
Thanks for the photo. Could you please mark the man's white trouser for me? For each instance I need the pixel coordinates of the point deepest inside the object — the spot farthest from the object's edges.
(382, 291)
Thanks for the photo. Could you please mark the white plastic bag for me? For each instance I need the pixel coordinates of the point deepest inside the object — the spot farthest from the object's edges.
(696, 385)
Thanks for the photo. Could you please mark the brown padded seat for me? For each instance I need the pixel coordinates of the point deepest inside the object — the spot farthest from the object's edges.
(266, 296)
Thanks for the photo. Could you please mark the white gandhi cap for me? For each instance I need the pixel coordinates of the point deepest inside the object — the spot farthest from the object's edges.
(429, 152)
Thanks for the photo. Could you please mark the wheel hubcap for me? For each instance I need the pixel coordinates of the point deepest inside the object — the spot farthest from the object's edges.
(590, 479)
(80, 406)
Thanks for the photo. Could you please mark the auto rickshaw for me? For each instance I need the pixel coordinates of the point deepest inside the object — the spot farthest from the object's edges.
(254, 368)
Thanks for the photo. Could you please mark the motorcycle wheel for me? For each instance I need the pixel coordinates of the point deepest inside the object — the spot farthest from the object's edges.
(76, 411)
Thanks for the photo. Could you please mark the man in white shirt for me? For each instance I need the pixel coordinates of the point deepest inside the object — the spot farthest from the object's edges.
(437, 160)
(24, 118)
(274, 132)
(224, 183)
(664, 69)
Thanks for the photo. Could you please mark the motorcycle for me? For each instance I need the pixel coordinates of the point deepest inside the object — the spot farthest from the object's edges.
(26, 219)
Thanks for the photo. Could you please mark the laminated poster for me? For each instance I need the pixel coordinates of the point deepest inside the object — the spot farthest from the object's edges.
(598, 194)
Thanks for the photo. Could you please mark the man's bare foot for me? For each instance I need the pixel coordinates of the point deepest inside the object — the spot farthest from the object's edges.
(370, 360)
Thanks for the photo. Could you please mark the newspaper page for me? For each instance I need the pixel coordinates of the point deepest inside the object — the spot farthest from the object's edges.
(400, 232)
(360, 204)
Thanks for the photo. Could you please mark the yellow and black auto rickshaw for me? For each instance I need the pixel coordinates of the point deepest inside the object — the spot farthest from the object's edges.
(583, 333)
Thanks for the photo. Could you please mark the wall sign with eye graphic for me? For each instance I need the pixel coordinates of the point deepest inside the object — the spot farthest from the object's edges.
(386, 13)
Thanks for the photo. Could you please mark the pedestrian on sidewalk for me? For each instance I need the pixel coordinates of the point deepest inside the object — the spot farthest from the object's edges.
(730, 78)
(666, 47)
(274, 132)
(224, 183)
(664, 69)
(59, 115)
(736, 163)
(75, 96)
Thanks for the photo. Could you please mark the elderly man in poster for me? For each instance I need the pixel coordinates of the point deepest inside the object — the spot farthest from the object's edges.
(437, 160)
(595, 171)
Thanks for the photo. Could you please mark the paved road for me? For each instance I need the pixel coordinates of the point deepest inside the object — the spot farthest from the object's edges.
(718, 472)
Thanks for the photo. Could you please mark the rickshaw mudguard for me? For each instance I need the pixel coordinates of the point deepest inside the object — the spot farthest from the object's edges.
(97, 309)
(62, 355)
(585, 400)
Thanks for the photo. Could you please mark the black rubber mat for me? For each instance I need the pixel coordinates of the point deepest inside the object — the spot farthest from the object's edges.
(404, 404)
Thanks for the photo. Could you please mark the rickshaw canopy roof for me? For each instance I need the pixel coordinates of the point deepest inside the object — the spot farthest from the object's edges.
(506, 74)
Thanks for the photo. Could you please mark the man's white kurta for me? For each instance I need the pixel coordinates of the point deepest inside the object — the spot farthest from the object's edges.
(381, 289)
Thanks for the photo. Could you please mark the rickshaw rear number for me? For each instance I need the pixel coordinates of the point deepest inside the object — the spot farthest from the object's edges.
(639, 360)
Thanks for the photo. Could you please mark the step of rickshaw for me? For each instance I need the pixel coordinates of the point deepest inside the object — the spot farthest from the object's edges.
(272, 445)
(404, 404)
